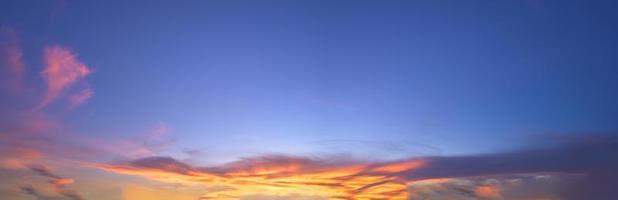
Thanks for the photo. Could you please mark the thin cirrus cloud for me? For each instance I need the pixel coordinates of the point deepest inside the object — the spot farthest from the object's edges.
(80, 97)
(11, 64)
(62, 70)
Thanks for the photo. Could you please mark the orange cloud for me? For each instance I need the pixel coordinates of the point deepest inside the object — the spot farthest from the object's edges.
(62, 69)
(280, 176)
(17, 158)
(486, 191)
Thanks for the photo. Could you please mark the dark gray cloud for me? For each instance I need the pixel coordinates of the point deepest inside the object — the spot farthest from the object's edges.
(593, 157)
(583, 155)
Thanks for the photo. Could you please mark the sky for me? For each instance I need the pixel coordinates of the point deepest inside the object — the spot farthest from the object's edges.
(487, 100)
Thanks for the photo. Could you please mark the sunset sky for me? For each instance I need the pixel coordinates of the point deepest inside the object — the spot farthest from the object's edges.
(294, 99)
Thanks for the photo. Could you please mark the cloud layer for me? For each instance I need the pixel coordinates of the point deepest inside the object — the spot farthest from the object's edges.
(279, 175)
(587, 158)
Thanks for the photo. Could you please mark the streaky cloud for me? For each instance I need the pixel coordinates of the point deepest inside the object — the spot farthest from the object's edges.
(268, 175)
(587, 158)
(59, 183)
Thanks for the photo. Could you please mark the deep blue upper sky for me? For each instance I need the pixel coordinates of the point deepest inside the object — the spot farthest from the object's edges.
(301, 77)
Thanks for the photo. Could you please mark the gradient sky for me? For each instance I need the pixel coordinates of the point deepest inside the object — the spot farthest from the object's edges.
(214, 87)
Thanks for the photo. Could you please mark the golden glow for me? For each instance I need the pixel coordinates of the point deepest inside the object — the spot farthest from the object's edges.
(132, 192)
(487, 191)
(353, 181)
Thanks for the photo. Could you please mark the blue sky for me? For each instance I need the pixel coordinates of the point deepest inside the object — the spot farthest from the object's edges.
(463, 77)
(374, 80)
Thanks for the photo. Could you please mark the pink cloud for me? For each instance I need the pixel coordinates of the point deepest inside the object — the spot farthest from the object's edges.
(62, 69)
(11, 65)
(17, 158)
(80, 97)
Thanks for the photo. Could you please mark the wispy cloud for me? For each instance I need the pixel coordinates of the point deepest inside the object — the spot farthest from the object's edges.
(59, 183)
(80, 97)
(11, 64)
(62, 69)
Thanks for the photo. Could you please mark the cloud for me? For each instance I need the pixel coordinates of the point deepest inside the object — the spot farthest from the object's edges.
(25, 139)
(62, 72)
(489, 176)
(17, 158)
(80, 97)
(280, 176)
(488, 192)
(29, 137)
(575, 155)
(62, 69)
(11, 64)
(27, 134)
(54, 179)
(577, 168)
(500, 187)
(135, 191)
(30, 190)
(59, 184)
(590, 157)
(149, 143)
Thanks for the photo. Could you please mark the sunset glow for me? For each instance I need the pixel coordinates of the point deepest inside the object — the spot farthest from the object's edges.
(308, 100)
(283, 177)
